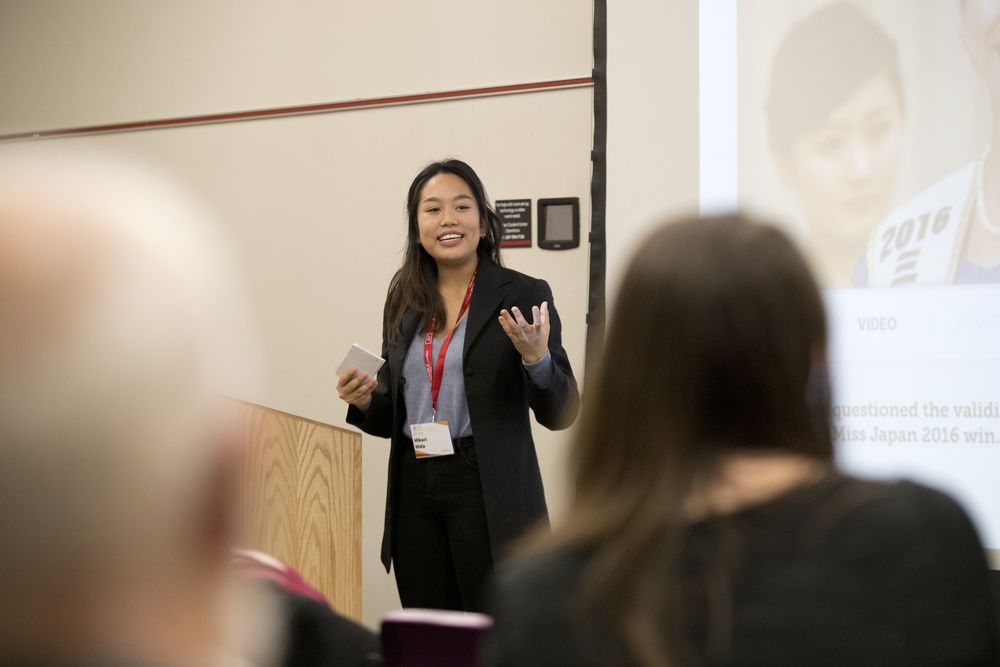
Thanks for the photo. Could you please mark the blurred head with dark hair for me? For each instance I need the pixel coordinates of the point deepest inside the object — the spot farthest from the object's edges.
(718, 332)
(835, 119)
(715, 357)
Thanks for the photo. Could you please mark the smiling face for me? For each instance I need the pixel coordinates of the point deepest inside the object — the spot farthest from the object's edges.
(448, 220)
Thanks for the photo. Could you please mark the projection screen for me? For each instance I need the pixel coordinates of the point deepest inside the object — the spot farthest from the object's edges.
(866, 130)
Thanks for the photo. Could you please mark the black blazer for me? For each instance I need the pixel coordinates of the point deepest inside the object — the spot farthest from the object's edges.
(498, 394)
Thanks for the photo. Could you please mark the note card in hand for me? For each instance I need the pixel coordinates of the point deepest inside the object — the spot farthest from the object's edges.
(360, 358)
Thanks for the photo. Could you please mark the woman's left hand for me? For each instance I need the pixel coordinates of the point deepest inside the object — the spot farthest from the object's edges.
(530, 339)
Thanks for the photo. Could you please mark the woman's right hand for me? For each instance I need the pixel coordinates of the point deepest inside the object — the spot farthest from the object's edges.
(355, 388)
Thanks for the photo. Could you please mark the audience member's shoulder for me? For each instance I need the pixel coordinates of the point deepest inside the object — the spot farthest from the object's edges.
(317, 635)
(543, 571)
(916, 547)
(530, 599)
(901, 503)
(905, 514)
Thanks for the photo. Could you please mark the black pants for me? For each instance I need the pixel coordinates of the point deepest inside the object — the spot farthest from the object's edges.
(441, 546)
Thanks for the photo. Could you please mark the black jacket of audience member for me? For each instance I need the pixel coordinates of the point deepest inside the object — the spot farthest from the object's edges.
(319, 637)
(837, 572)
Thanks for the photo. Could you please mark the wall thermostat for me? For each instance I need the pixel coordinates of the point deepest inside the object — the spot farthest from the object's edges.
(559, 223)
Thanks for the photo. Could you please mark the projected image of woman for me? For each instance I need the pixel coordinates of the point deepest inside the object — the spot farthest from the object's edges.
(835, 124)
(950, 233)
(470, 348)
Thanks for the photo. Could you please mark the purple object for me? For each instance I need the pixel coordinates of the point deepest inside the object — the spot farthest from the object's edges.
(432, 638)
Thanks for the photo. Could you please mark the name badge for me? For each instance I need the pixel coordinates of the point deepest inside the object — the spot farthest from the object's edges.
(431, 439)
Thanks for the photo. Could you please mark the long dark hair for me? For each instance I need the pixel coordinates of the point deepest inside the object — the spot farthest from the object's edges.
(414, 287)
(717, 345)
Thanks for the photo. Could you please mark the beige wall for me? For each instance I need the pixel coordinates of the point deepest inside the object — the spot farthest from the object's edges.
(652, 122)
(102, 61)
(316, 202)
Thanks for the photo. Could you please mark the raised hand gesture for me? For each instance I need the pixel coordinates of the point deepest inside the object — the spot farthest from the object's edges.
(530, 338)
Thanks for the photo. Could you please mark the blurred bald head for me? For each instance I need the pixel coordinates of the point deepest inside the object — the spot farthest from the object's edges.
(120, 323)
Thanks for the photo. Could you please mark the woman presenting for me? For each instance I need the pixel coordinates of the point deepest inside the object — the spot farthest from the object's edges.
(471, 345)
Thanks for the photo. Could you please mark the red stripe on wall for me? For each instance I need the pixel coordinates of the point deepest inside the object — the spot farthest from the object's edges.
(280, 112)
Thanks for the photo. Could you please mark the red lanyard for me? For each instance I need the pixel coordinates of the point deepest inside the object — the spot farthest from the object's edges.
(435, 370)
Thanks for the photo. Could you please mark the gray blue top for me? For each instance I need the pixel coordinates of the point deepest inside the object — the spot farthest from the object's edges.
(452, 406)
